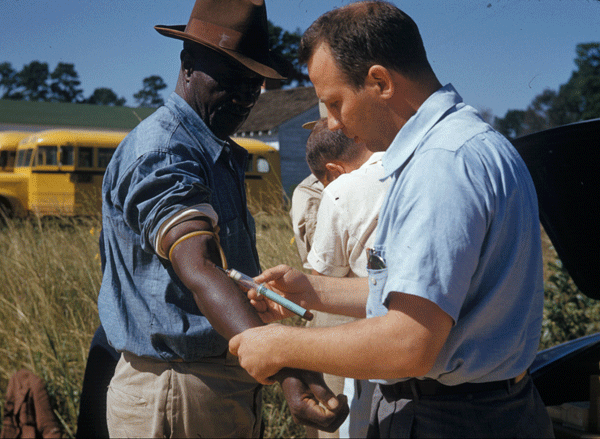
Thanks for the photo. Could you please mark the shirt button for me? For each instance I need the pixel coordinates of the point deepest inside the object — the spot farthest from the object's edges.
(373, 281)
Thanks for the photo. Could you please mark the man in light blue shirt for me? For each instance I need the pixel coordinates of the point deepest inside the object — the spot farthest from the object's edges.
(454, 295)
(465, 207)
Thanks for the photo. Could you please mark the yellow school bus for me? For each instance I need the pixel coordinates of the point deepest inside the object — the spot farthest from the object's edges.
(263, 175)
(8, 148)
(58, 172)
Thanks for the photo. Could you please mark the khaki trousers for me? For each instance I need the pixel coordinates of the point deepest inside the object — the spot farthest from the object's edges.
(211, 398)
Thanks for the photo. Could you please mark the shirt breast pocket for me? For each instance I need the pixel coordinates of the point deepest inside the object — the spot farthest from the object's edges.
(377, 277)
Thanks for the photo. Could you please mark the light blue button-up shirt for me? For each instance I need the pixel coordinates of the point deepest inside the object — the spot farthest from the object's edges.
(460, 227)
(169, 162)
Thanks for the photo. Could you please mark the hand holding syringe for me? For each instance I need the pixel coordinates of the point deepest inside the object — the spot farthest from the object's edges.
(249, 283)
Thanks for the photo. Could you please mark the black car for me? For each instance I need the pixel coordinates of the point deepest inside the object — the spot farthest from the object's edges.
(564, 164)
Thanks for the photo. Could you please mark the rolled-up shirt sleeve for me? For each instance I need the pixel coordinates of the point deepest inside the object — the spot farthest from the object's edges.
(155, 188)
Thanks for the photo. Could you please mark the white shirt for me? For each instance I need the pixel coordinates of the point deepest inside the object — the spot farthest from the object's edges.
(305, 205)
(346, 220)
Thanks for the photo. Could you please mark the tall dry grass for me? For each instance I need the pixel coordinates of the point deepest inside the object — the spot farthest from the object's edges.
(49, 281)
(275, 246)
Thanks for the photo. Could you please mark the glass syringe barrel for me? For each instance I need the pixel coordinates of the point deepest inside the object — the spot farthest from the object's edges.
(249, 283)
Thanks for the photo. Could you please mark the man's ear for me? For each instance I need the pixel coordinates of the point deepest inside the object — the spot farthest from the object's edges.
(381, 79)
(187, 62)
(334, 170)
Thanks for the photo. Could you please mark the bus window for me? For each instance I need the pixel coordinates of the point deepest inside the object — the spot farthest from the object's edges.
(86, 157)
(3, 159)
(47, 155)
(24, 157)
(104, 155)
(249, 166)
(66, 155)
(262, 165)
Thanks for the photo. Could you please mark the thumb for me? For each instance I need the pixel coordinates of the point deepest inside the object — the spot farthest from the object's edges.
(234, 344)
(324, 394)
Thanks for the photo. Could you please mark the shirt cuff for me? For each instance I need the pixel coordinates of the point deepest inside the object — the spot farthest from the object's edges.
(324, 268)
(183, 215)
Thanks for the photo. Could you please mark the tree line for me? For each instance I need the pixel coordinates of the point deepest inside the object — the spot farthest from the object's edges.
(35, 81)
(576, 100)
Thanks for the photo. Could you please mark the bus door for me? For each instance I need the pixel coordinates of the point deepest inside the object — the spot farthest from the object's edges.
(85, 188)
(263, 180)
(48, 187)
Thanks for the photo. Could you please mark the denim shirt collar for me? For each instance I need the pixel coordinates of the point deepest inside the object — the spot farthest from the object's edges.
(212, 145)
(412, 133)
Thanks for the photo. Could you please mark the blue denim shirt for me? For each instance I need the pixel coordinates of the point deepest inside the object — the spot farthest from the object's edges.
(169, 162)
(460, 227)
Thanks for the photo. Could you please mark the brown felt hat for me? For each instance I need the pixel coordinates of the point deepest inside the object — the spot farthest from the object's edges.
(236, 28)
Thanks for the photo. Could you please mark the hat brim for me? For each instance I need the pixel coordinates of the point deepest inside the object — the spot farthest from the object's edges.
(310, 125)
(276, 64)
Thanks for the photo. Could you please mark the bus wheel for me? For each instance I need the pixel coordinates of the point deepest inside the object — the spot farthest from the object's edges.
(6, 211)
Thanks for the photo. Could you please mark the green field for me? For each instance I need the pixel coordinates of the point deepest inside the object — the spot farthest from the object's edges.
(71, 115)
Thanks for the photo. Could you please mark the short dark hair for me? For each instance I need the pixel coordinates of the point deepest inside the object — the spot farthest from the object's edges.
(363, 34)
(324, 145)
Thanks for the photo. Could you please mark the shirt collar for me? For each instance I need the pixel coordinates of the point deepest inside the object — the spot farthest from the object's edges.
(413, 132)
(374, 158)
(196, 126)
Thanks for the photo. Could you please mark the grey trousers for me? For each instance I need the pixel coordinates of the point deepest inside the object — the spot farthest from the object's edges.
(517, 412)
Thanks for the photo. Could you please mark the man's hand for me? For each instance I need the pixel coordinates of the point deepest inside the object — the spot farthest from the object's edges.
(289, 283)
(311, 402)
(260, 351)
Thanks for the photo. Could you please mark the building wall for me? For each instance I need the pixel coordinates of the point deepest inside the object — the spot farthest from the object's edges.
(292, 149)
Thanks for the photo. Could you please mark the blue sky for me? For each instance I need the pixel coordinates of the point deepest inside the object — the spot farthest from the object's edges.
(499, 54)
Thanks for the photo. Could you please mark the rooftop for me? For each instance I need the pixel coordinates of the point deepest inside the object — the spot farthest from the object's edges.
(275, 107)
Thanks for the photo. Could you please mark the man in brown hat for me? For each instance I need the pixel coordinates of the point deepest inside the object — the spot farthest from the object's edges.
(174, 211)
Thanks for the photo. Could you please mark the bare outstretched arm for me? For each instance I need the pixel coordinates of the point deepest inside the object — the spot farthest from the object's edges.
(230, 313)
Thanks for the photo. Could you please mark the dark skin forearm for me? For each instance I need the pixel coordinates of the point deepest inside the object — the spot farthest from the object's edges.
(229, 311)
(218, 297)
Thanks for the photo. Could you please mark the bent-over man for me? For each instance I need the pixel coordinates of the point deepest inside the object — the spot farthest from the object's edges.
(453, 301)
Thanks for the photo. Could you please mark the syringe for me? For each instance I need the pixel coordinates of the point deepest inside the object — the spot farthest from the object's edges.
(249, 283)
